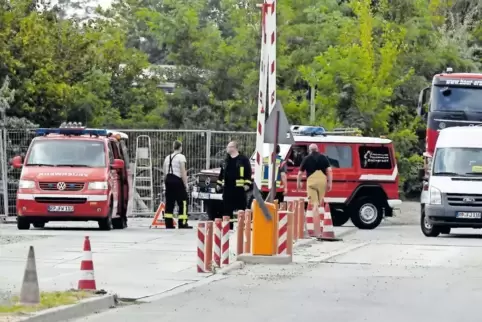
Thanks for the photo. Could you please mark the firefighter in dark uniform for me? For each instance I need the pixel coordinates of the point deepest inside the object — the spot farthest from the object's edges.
(235, 180)
(281, 178)
(176, 187)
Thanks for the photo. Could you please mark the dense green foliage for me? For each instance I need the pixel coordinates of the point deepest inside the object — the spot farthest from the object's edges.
(367, 59)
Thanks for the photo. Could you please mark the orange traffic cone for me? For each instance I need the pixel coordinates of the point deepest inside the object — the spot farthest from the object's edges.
(328, 233)
(158, 220)
(87, 280)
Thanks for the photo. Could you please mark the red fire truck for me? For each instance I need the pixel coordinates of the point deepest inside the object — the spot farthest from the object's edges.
(73, 173)
(454, 99)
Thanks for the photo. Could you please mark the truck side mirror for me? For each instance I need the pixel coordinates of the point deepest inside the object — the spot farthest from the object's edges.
(422, 99)
(17, 162)
(117, 164)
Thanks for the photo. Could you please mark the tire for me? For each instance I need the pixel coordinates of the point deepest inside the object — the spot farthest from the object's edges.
(339, 217)
(23, 223)
(428, 229)
(38, 224)
(119, 223)
(214, 209)
(366, 213)
(106, 223)
(444, 230)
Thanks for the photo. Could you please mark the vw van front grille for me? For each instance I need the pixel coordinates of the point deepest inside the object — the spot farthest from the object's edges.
(69, 186)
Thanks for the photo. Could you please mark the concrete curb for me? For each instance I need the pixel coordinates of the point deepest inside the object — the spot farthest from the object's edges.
(231, 267)
(74, 311)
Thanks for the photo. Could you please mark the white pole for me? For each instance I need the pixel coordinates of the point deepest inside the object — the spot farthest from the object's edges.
(271, 44)
(258, 173)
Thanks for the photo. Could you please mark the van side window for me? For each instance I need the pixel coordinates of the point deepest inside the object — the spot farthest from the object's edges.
(340, 156)
(375, 157)
(298, 152)
(111, 153)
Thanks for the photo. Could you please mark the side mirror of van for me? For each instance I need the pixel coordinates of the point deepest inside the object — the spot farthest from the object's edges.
(17, 162)
(117, 164)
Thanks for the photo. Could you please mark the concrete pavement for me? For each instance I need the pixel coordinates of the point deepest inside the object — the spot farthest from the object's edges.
(134, 263)
(392, 273)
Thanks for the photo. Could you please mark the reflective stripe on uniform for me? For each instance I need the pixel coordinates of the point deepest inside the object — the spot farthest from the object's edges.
(241, 172)
(239, 182)
(183, 216)
(168, 216)
(265, 180)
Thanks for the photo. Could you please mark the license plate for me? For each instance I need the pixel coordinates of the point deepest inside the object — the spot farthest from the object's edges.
(61, 208)
(204, 195)
(469, 215)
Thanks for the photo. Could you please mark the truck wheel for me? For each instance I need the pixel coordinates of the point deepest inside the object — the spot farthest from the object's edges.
(23, 223)
(428, 229)
(119, 223)
(339, 217)
(39, 224)
(106, 223)
(214, 209)
(366, 213)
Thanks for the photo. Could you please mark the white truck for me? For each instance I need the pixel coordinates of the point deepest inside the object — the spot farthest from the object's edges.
(452, 196)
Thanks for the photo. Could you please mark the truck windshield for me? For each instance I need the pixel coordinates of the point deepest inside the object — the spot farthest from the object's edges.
(456, 99)
(69, 153)
(457, 162)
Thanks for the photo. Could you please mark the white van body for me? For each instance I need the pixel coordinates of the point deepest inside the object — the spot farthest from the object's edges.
(455, 183)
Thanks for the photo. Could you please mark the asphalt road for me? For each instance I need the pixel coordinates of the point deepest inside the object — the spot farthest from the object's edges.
(392, 273)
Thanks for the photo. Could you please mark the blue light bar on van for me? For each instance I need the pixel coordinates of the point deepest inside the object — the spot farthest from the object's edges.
(71, 131)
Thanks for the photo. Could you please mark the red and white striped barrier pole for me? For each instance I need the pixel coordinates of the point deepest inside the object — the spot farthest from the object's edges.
(310, 225)
(247, 231)
(87, 279)
(218, 224)
(201, 238)
(208, 253)
(282, 232)
(225, 241)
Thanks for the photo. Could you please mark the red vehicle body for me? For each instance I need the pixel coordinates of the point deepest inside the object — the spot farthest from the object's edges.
(365, 178)
(74, 175)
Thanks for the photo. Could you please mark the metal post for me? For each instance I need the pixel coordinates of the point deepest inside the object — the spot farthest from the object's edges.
(3, 159)
(208, 149)
(312, 105)
(272, 192)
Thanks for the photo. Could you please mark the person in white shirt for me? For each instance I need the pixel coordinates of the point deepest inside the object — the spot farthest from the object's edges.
(175, 180)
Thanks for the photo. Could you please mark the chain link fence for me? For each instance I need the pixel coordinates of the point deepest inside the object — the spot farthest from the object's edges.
(203, 150)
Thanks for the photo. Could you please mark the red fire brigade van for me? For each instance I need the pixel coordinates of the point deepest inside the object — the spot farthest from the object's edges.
(74, 174)
(365, 177)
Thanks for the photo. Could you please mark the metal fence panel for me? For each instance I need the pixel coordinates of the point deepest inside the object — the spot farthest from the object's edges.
(203, 149)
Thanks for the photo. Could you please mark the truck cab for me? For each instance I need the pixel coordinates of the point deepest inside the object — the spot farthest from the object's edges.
(454, 198)
(73, 173)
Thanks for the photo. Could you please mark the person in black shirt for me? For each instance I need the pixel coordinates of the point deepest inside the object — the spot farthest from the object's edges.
(318, 176)
(235, 180)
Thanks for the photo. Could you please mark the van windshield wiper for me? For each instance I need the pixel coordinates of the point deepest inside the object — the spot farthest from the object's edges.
(74, 165)
(41, 164)
(448, 174)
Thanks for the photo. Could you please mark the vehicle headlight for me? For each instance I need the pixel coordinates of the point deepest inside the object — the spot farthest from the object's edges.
(98, 185)
(26, 184)
(435, 196)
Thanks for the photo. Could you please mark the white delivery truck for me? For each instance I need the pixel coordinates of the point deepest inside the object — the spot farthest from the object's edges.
(453, 196)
